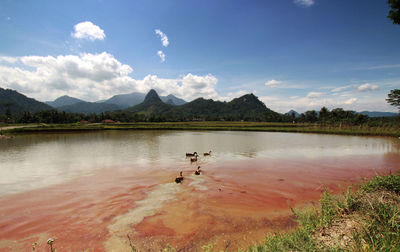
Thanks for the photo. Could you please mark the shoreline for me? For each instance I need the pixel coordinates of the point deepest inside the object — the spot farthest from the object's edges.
(206, 126)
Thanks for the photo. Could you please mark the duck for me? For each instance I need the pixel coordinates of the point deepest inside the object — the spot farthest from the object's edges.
(193, 159)
(207, 153)
(191, 154)
(198, 171)
(179, 178)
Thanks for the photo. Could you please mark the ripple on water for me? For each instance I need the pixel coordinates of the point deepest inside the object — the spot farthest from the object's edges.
(146, 207)
(198, 182)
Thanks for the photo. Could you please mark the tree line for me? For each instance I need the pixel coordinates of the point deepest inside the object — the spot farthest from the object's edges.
(324, 117)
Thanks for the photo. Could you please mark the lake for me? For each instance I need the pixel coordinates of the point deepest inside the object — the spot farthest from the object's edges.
(91, 190)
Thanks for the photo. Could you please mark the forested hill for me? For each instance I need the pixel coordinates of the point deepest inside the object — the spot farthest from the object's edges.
(63, 101)
(247, 107)
(152, 105)
(12, 102)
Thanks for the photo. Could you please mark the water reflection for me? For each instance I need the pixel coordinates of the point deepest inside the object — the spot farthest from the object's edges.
(36, 160)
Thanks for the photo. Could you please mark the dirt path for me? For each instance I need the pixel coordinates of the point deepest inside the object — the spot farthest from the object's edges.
(17, 126)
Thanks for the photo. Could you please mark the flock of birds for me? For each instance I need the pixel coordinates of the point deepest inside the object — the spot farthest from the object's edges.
(193, 158)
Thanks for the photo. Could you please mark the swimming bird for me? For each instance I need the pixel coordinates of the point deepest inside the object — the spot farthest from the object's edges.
(198, 171)
(179, 178)
(207, 153)
(191, 154)
(193, 159)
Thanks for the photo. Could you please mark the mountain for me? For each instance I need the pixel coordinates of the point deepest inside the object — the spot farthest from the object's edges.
(247, 104)
(378, 114)
(202, 108)
(152, 98)
(172, 100)
(16, 102)
(129, 100)
(152, 105)
(89, 107)
(296, 114)
(63, 101)
(126, 100)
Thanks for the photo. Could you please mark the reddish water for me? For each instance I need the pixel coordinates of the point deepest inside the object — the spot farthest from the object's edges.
(232, 205)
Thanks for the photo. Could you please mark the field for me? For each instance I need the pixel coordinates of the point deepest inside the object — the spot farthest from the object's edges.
(363, 130)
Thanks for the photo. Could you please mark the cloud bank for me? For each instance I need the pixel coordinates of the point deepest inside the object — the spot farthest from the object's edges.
(93, 77)
(351, 97)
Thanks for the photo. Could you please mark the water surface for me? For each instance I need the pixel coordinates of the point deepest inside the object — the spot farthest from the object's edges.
(92, 189)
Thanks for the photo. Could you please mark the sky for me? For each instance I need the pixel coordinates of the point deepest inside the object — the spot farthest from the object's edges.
(292, 54)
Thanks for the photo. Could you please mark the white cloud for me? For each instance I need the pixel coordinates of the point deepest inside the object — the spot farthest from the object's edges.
(301, 104)
(383, 67)
(188, 87)
(164, 38)
(313, 95)
(88, 30)
(273, 83)
(367, 87)
(339, 89)
(305, 3)
(10, 60)
(93, 77)
(350, 101)
(161, 55)
(232, 95)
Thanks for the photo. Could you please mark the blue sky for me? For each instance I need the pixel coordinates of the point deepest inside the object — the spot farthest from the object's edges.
(293, 54)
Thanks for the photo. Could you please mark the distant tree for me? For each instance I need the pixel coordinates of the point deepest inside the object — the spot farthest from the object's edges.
(323, 115)
(310, 116)
(394, 13)
(8, 113)
(394, 98)
(292, 116)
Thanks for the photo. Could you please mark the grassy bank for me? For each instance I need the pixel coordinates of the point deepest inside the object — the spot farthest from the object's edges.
(235, 126)
(366, 219)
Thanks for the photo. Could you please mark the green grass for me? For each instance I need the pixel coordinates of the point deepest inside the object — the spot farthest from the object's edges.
(234, 126)
(367, 219)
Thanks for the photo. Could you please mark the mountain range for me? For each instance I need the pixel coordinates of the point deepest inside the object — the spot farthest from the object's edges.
(246, 107)
(378, 114)
(117, 102)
